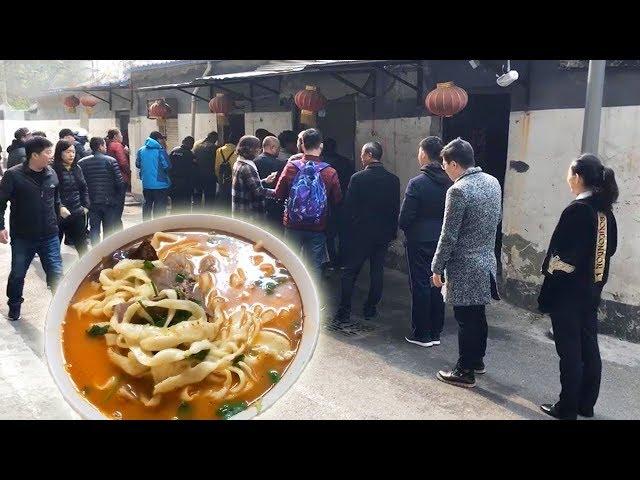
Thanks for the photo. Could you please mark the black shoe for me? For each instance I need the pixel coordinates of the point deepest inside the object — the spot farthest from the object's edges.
(459, 377)
(480, 369)
(587, 413)
(554, 411)
(14, 312)
(423, 342)
(369, 312)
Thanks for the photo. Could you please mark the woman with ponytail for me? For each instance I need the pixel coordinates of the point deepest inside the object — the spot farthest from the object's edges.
(575, 270)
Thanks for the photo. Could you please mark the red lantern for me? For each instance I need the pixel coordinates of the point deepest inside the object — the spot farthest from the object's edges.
(309, 101)
(446, 100)
(159, 110)
(70, 103)
(221, 105)
(88, 102)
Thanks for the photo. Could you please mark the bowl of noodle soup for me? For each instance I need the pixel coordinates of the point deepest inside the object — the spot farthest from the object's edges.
(182, 317)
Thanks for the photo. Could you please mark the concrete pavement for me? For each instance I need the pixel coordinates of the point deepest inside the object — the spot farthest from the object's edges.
(369, 372)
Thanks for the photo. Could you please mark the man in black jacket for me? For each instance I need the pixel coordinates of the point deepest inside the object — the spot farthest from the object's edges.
(67, 134)
(336, 224)
(183, 176)
(32, 189)
(267, 163)
(16, 150)
(106, 190)
(205, 153)
(371, 209)
(421, 218)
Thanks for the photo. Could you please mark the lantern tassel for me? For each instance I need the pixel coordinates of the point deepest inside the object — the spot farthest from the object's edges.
(307, 117)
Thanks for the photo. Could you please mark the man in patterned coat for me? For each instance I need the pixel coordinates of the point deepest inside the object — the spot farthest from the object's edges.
(465, 260)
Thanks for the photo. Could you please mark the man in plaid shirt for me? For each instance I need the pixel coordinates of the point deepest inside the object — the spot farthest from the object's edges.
(248, 192)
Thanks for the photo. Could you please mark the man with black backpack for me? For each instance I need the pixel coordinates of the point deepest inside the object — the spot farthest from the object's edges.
(311, 188)
(225, 158)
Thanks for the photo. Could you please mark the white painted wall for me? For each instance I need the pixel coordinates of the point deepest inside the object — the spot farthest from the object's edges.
(275, 122)
(548, 140)
(399, 138)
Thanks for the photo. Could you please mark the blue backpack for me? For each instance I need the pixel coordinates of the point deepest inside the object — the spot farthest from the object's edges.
(308, 196)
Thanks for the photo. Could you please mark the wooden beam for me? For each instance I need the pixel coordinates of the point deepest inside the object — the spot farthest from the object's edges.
(351, 84)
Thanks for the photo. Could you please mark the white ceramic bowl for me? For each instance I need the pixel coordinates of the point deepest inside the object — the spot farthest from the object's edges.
(73, 279)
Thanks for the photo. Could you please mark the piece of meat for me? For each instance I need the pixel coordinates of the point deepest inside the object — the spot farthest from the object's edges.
(144, 251)
(163, 277)
(208, 264)
(121, 309)
(179, 263)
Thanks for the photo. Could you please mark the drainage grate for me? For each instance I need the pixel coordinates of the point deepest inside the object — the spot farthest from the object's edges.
(351, 329)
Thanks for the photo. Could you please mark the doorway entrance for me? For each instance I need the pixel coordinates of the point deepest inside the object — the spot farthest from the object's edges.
(122, 121)
(484, 123)
(235, 125)
(339, 123)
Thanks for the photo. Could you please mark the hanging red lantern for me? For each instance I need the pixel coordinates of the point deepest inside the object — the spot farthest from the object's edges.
(70, 103)
(159, 110)
(88, 102)
(221, 105)
(446, 100)
(309, 101)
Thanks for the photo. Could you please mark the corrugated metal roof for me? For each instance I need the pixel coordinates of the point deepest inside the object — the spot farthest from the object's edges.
(155, 64)
(281, 67)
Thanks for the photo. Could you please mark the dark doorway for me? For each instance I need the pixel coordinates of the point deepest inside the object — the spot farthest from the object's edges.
(485, 124)
(122, 121)
(339, 123)
(236, 125)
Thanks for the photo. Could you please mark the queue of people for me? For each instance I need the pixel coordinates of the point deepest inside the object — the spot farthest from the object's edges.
(300, 188)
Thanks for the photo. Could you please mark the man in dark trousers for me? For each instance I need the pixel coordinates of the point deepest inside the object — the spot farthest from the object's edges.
(421, 220)
(182, 173)
(267, 163)
(106, 188)
(32, 189)
(371, 212)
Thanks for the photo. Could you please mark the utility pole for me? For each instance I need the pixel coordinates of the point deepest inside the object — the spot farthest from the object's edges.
(593, 106)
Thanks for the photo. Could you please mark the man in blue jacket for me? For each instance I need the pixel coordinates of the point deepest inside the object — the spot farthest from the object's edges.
(421, 220)
(153, 162)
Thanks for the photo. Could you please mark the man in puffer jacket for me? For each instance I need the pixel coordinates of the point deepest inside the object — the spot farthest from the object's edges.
(106, 187)
(153, 161)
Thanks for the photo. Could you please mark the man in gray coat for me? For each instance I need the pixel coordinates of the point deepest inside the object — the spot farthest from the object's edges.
(466, 256)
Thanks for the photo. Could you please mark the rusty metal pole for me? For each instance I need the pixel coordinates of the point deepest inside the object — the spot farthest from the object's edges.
(593, 107)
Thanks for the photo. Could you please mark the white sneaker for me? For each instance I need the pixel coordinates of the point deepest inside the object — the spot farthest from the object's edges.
(435, 342)
(418, 342)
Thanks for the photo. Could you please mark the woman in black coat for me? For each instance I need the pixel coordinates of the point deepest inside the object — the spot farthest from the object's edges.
(576, 269)
(74, 197)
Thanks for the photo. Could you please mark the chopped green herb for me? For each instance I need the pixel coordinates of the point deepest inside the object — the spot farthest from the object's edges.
(238, 359)
(97, 330)
(180, 316)
(230, 409)
(184, 410)
(200, 356)
(283, 271)
(258, 283)
(155, 289)
(157, 320)
(180, 294)
(274, 375)
(280, 278)
(113, 389)
(180, 277)
(270, 288)
(148, 265)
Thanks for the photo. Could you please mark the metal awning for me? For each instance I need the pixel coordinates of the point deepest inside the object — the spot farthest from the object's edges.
(278, 69)
(103, 87)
